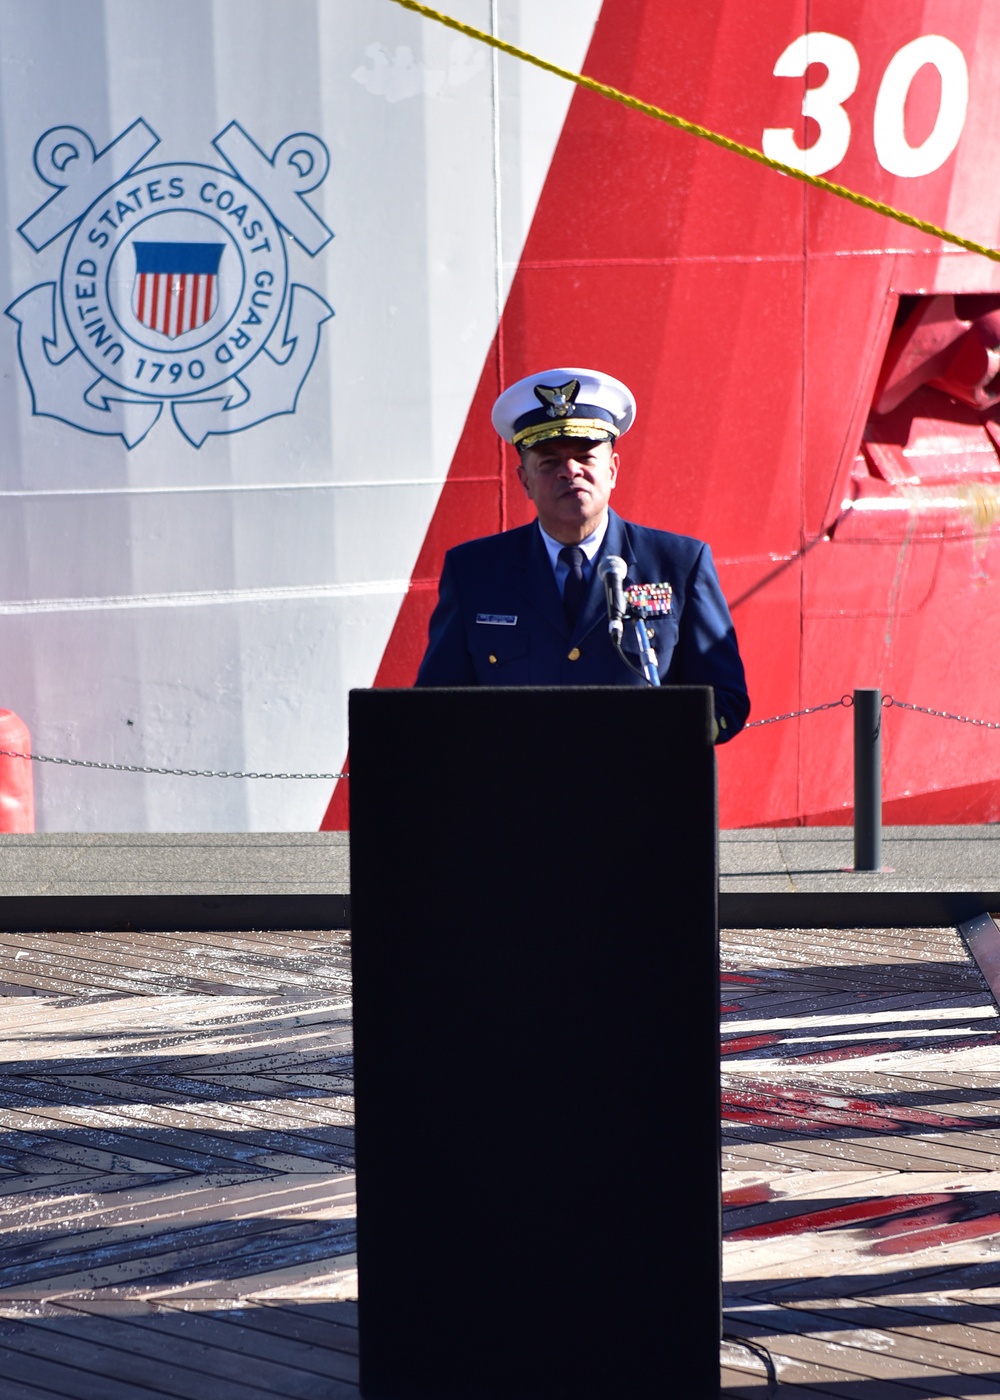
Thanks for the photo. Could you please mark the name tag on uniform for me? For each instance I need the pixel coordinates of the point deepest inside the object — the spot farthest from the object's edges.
(497, 619)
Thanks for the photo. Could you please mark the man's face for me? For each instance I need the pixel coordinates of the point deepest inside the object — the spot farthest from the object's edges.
(570, 481)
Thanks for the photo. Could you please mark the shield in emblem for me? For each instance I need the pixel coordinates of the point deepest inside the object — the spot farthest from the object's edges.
(176, 286)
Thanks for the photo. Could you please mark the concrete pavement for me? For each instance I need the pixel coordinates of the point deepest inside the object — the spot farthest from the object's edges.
(770, 878)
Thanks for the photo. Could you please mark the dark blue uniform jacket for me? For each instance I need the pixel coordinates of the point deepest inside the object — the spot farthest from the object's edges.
(500, 619)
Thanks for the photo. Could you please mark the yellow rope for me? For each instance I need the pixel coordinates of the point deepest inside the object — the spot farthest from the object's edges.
(693, 129)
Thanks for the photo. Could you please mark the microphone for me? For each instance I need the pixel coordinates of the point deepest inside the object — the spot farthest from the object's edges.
(611, 571)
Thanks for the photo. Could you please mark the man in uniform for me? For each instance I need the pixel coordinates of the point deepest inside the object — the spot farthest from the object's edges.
(527, 607)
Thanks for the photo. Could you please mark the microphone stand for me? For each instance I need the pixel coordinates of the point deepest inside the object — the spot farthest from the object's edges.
(649, 600)
(647, 656)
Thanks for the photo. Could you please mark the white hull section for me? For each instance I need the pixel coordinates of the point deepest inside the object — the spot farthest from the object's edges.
(210, 606)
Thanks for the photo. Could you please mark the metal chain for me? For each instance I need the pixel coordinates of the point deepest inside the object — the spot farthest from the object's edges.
(166, 772)
(846, 700)
(889, 702)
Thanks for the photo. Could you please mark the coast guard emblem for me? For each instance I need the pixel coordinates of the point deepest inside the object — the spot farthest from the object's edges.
(559, 400)
(174, 288)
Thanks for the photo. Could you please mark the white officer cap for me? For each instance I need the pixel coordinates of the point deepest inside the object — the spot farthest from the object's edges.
(564, 403)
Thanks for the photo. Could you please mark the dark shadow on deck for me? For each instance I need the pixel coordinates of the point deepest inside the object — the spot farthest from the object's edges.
(141, 1351)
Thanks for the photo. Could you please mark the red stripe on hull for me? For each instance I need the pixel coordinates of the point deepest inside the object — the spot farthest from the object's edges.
(750, 316)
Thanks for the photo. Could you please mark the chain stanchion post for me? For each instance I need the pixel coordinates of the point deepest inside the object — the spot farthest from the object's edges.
(867, 780)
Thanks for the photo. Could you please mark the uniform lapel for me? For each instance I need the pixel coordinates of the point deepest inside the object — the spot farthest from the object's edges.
(537, 582)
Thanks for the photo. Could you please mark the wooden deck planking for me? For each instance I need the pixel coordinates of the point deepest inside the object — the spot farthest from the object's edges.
(175, 1114)
(176, 1153)
(861, 1165)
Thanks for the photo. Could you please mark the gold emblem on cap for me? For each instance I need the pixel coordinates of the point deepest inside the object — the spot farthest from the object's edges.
(559, 399)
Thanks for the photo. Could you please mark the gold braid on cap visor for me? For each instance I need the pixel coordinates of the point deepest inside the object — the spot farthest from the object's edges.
(597, 429)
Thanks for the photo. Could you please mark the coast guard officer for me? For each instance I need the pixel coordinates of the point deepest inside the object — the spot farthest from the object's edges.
(526, 607)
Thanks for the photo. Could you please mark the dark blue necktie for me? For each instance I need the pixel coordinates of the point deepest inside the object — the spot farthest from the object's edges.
(576, 584)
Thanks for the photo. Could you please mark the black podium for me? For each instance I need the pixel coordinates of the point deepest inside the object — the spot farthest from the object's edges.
(535, 947)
